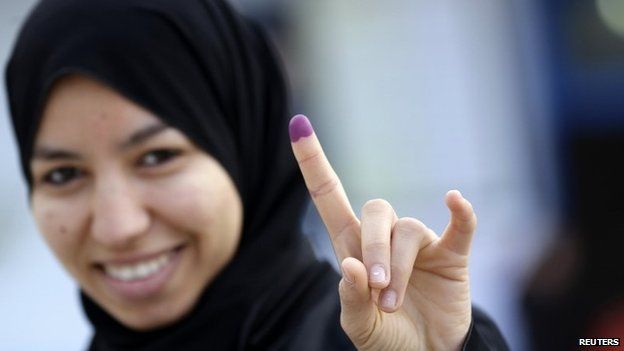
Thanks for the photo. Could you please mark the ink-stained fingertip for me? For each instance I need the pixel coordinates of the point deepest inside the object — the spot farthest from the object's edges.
(299, 127)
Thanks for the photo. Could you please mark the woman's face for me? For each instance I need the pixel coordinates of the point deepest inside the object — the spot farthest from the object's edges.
(136, 213)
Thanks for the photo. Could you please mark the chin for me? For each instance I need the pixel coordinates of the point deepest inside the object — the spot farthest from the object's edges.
(155, 315)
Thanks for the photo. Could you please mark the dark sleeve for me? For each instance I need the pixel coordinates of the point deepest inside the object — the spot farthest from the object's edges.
(483, 334)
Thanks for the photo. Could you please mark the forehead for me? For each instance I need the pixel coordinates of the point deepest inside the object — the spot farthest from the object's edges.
(80, 109)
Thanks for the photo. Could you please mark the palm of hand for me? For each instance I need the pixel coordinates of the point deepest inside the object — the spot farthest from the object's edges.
(437, 293)
(434, 315)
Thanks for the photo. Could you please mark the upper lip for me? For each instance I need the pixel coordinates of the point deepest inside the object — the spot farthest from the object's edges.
(135, 258)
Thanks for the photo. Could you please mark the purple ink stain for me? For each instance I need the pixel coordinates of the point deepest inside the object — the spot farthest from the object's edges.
(299, 127)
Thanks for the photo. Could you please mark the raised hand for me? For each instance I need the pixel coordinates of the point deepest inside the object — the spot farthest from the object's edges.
(403, 287)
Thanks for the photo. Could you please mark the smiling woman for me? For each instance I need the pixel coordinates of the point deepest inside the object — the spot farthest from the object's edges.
(161, 175)
(102, 200)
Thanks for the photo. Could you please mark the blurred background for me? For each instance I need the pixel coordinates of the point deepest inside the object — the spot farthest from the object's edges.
(517, 103)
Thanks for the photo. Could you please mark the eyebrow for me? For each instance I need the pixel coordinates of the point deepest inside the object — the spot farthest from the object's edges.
(142, 135)
(49, 154)
(52, 154)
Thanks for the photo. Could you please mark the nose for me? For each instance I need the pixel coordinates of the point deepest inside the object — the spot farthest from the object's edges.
(119, 216)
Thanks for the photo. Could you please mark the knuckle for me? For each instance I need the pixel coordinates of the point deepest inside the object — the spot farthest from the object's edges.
(325, 187)
(377, 246)
(377, 206)
(313, 157)
(409, 226)
(466, 225)
(471, 222)
(466, 212)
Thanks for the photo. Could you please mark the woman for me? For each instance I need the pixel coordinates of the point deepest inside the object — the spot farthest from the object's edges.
(153, 138)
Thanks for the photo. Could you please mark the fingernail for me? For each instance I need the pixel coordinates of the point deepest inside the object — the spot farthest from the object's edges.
(377, 274)
(389, 299)
(299, 127)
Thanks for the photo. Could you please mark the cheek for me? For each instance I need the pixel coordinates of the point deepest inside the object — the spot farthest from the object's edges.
(60, 224)
(202, 204)
(186, 205)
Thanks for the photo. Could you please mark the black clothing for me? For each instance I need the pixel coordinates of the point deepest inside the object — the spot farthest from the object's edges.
(483, 334)
(210, 73)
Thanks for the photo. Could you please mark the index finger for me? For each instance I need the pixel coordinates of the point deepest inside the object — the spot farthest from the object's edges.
(325, 189)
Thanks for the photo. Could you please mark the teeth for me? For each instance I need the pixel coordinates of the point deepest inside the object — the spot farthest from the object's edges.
(140, 270)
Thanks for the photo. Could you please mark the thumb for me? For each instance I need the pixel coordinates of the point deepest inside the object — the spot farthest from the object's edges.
(358, 311)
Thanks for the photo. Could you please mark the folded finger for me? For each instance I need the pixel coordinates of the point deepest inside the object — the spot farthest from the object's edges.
(378, 217)
(409, 236)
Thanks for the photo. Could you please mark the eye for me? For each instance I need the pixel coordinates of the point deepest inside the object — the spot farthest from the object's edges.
(158, 157)
(61, 176)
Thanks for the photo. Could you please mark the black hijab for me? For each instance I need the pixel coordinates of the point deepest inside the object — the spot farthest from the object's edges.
(207, 71)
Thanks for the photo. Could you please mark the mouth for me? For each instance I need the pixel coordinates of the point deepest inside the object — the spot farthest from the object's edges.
(142, 277)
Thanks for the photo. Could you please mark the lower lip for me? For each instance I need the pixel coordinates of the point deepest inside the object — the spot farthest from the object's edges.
(146, 287)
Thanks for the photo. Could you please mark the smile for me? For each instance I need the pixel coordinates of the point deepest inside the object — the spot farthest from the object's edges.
(139, 270)
(140, 278)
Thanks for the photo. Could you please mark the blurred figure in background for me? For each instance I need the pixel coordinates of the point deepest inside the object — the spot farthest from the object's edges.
(578, 290)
